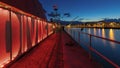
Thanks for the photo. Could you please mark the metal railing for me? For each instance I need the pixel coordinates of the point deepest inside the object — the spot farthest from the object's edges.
(90, 45)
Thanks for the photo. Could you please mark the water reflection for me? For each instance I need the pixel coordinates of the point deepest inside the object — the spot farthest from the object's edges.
(95, 31)
(89, 30)
(99, 32)
(103, 33)
(111, 36)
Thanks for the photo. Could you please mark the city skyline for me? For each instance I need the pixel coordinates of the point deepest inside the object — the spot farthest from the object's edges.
(86, 10)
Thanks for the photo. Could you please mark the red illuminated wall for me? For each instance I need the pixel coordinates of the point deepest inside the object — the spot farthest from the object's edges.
(4, 36)
(19, 33)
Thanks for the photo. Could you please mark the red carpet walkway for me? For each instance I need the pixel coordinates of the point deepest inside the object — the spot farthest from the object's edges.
(56, 52)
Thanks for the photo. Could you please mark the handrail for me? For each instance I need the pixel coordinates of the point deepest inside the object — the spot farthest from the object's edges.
(105, 58)
(98, 53)
(102, 37)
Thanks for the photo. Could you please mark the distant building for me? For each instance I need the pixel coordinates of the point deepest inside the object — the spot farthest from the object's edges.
(100, 24)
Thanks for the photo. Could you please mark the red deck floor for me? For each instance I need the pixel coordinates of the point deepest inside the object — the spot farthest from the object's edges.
(56, 52)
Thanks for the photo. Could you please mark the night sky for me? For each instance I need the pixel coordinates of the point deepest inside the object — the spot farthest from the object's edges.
(86, 10)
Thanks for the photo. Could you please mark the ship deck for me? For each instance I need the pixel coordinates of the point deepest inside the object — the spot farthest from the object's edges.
(57, 51)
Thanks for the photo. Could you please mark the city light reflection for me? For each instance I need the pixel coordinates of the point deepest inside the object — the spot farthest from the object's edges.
(99, 32)
(95, 31)
(103, 33)
(89, 31)
(111, 36)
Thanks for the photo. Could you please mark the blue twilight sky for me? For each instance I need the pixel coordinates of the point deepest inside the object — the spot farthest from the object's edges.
(87, 10)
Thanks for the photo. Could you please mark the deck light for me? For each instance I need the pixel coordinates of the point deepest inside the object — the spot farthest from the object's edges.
(1, 66)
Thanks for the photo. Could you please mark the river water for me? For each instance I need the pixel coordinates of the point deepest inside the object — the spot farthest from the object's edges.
(109, 49)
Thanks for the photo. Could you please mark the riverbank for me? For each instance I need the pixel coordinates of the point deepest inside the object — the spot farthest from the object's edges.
(99, 27)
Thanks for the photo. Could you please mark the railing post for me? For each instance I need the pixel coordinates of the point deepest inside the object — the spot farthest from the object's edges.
(47, 28)
(90, 45)
(74, 34)
(79, 37)
(90, 41)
